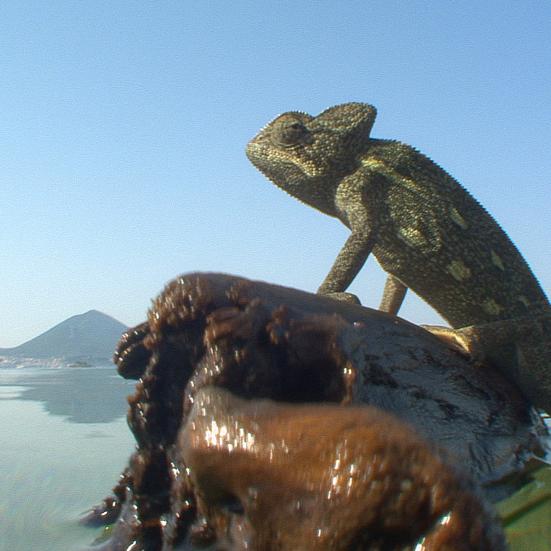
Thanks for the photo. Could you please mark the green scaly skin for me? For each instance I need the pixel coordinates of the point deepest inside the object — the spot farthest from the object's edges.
(426, 231)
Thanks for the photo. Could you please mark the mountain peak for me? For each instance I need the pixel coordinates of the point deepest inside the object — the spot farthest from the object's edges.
(91, 335)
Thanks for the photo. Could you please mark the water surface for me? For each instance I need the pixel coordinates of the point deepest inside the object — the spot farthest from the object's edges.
(63, 442)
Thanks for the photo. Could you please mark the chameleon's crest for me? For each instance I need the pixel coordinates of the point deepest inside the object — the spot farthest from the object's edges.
(349, 118)
(306, 155)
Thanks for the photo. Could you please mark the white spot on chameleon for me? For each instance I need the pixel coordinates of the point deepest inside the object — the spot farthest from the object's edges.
(458, 270)
(458, 219)
(412, 237)
(524, 300)
(392, 175)
(490, 306)
(496, 261)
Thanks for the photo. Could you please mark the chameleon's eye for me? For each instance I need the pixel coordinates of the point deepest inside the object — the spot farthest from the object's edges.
(291, 132)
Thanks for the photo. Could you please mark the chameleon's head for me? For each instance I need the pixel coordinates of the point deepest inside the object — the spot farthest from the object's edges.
(297, 149)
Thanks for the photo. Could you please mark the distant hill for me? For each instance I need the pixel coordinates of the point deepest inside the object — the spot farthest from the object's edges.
(90, 337)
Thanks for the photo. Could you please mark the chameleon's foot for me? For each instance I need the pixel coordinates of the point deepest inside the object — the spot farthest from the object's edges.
(461, 340)
(344, 297)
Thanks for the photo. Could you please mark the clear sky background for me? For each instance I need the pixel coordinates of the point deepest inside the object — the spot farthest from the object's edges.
(123, 126)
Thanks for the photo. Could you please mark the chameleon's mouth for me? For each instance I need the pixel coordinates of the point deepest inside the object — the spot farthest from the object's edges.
(259, 157)
(285, 167)
(279, 167)
(252, 151)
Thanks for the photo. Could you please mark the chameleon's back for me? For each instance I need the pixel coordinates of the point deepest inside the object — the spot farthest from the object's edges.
(439, 241)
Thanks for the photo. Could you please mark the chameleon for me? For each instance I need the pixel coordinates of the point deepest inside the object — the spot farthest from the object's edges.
(427, 232)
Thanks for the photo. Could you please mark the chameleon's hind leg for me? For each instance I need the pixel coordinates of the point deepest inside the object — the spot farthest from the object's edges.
(393, 295)
(519, 347)
(479, 341)
(458, 339)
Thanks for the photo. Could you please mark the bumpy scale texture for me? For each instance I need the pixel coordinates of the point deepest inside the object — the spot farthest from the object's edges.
(426, 231)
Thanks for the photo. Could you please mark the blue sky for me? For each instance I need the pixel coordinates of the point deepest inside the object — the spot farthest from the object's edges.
(123, 127)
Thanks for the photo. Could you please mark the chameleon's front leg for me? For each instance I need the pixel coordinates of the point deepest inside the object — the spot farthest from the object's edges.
(357, 214)
(348, 263)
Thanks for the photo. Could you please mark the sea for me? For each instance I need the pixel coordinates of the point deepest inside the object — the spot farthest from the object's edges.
(63, 443)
